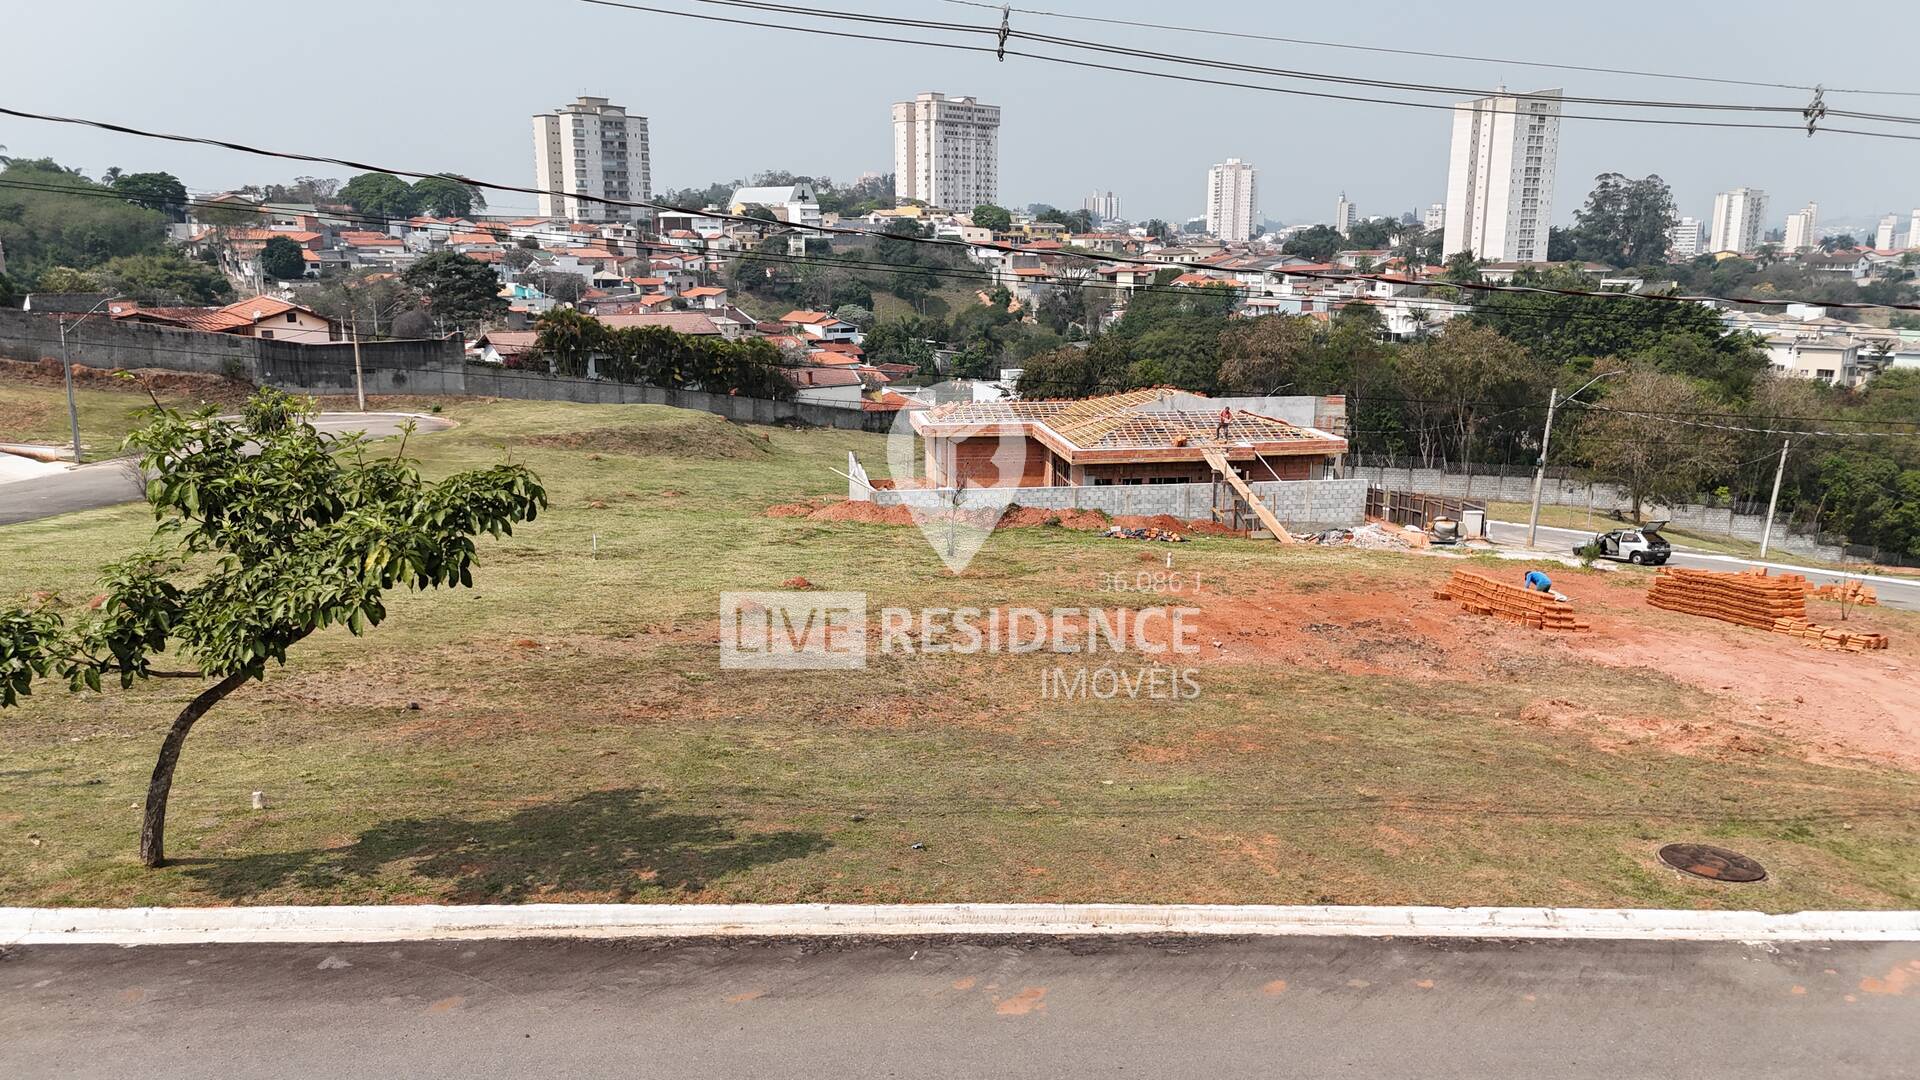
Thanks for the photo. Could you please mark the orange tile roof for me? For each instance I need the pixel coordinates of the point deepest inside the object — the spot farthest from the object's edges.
(1120, 422)
(704, 290)
(806, 318)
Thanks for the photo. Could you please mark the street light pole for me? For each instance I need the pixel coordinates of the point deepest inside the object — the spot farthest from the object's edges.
(1546, 436)
(1766, 531)
(73, 411)
(1540, 469)
(359, 383)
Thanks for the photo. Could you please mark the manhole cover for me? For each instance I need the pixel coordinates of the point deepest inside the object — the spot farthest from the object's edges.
(1707, 861)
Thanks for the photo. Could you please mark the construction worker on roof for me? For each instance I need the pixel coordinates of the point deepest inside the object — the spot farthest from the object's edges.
(1226, 417)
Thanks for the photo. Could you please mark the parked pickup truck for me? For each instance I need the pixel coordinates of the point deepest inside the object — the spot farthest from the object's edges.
(1641, 546)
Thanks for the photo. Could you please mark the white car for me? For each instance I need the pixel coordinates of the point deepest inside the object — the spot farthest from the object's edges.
(1642, 546)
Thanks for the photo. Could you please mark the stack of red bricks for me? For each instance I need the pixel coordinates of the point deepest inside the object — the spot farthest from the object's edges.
(1774, 603)
(1852, 592)
(1485, 596)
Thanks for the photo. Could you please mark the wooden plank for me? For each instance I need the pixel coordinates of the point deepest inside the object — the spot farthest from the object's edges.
(1218, 459)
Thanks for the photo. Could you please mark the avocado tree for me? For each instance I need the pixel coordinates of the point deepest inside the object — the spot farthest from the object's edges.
(269, 531)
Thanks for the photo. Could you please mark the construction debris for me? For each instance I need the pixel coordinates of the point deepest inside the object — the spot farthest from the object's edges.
(1849, 592)
(1119, 532)
(1484, 596)
(1776, 604)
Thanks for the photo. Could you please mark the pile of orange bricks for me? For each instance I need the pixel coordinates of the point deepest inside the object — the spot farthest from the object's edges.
(1852, 592)
(1485, 596)
(1777, 604)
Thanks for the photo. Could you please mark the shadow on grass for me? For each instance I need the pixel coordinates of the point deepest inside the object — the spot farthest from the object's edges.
(618, 844)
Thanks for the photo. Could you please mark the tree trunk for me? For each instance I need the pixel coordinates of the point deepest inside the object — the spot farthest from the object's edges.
(153, 825)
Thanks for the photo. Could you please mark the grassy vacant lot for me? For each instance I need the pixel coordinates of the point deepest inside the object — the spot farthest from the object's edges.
(33, 405)
(575, 738)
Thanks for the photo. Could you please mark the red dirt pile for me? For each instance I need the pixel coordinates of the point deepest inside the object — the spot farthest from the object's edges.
(1777, 604)
(1485, 596)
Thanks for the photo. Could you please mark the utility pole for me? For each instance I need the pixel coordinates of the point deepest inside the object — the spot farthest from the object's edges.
(359, 383)
(1766, 531)
(73, 412)
(1540, 470)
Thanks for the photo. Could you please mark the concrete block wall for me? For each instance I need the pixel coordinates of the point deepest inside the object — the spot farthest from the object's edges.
(1301, 505)
(100, 342)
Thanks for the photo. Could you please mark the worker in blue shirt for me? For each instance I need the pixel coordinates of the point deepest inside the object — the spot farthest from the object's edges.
(1539, 582)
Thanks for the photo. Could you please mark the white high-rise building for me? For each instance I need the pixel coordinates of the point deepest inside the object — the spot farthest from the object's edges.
(591, 148)
(1800, 228)
(1686, 239)
(1736, 220)
(1345, 216)
(1103, 205)
(1500, 176)
(1435, 219)
(1913, 232)
(1883, 236)
(946, 151)
(1232, 200)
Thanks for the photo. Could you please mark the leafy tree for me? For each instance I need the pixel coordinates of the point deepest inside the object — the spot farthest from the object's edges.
(66, 279)
(850, 291)
(1625, 222)
(1265, 355)
(155, 191)
(281, 258)
(853, 313)
(1159, 230)
(1842, 242)
(445, 196)
(379, 194)
(568, 339)
(457, 289)
(1632, 439)
(10, 293)
(1453, 380)
(1079, 221)
(1370, 234)
(270, 532)
(169, 278)
(989, 216)
(51, 216)
(564, 287)
(1318, 243)
(1561, 245)
(760, 212)
(1562, 329)
(1461, 268)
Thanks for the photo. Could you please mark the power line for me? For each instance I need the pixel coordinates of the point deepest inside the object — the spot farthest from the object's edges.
(1001, 51)
(349, 163)
(1505, 61)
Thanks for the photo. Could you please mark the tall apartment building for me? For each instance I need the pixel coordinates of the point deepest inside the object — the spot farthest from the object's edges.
(1232, 200)
(1345, 216)
(1736, 220)
(1435, 218)
(1913, 231)
(1687, 239)
(1883, 236)
(592, 148)
(1800, 228)
(1500, 176)
(946, 151)
(1103, 205)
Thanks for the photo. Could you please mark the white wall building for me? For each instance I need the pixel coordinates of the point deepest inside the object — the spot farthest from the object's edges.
(1103, 205)
(592, 148)
(1687, 239)
(1913, 231)
(1345, 216)
(1435, 218)
(1500, 176)
(946, 151)
(1800, 225)
(795, 204)
(1736, 220)
(1883, 236)
(1232, 200)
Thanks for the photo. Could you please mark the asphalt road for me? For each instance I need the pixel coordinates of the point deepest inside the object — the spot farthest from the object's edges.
(1897, 592)
(108, 483)
(1173, 1008)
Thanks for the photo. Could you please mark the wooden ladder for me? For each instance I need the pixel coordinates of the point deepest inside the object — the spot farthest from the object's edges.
(1218, 459)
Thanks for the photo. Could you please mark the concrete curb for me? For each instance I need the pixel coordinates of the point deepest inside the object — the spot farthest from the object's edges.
(154, 926)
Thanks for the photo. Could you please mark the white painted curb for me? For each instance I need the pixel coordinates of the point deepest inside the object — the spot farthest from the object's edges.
(153, 926)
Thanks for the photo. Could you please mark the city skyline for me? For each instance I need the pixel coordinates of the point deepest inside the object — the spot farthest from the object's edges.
(1051, 150)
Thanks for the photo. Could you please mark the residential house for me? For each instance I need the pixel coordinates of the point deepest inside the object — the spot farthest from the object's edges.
(1127, 438)
(259, 316)
(821, 326)
(795, 204)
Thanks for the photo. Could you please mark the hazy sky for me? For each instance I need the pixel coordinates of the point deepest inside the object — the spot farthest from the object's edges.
(449, 86)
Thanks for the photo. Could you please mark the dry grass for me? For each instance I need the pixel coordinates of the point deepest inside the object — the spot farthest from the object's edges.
(575, 738)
